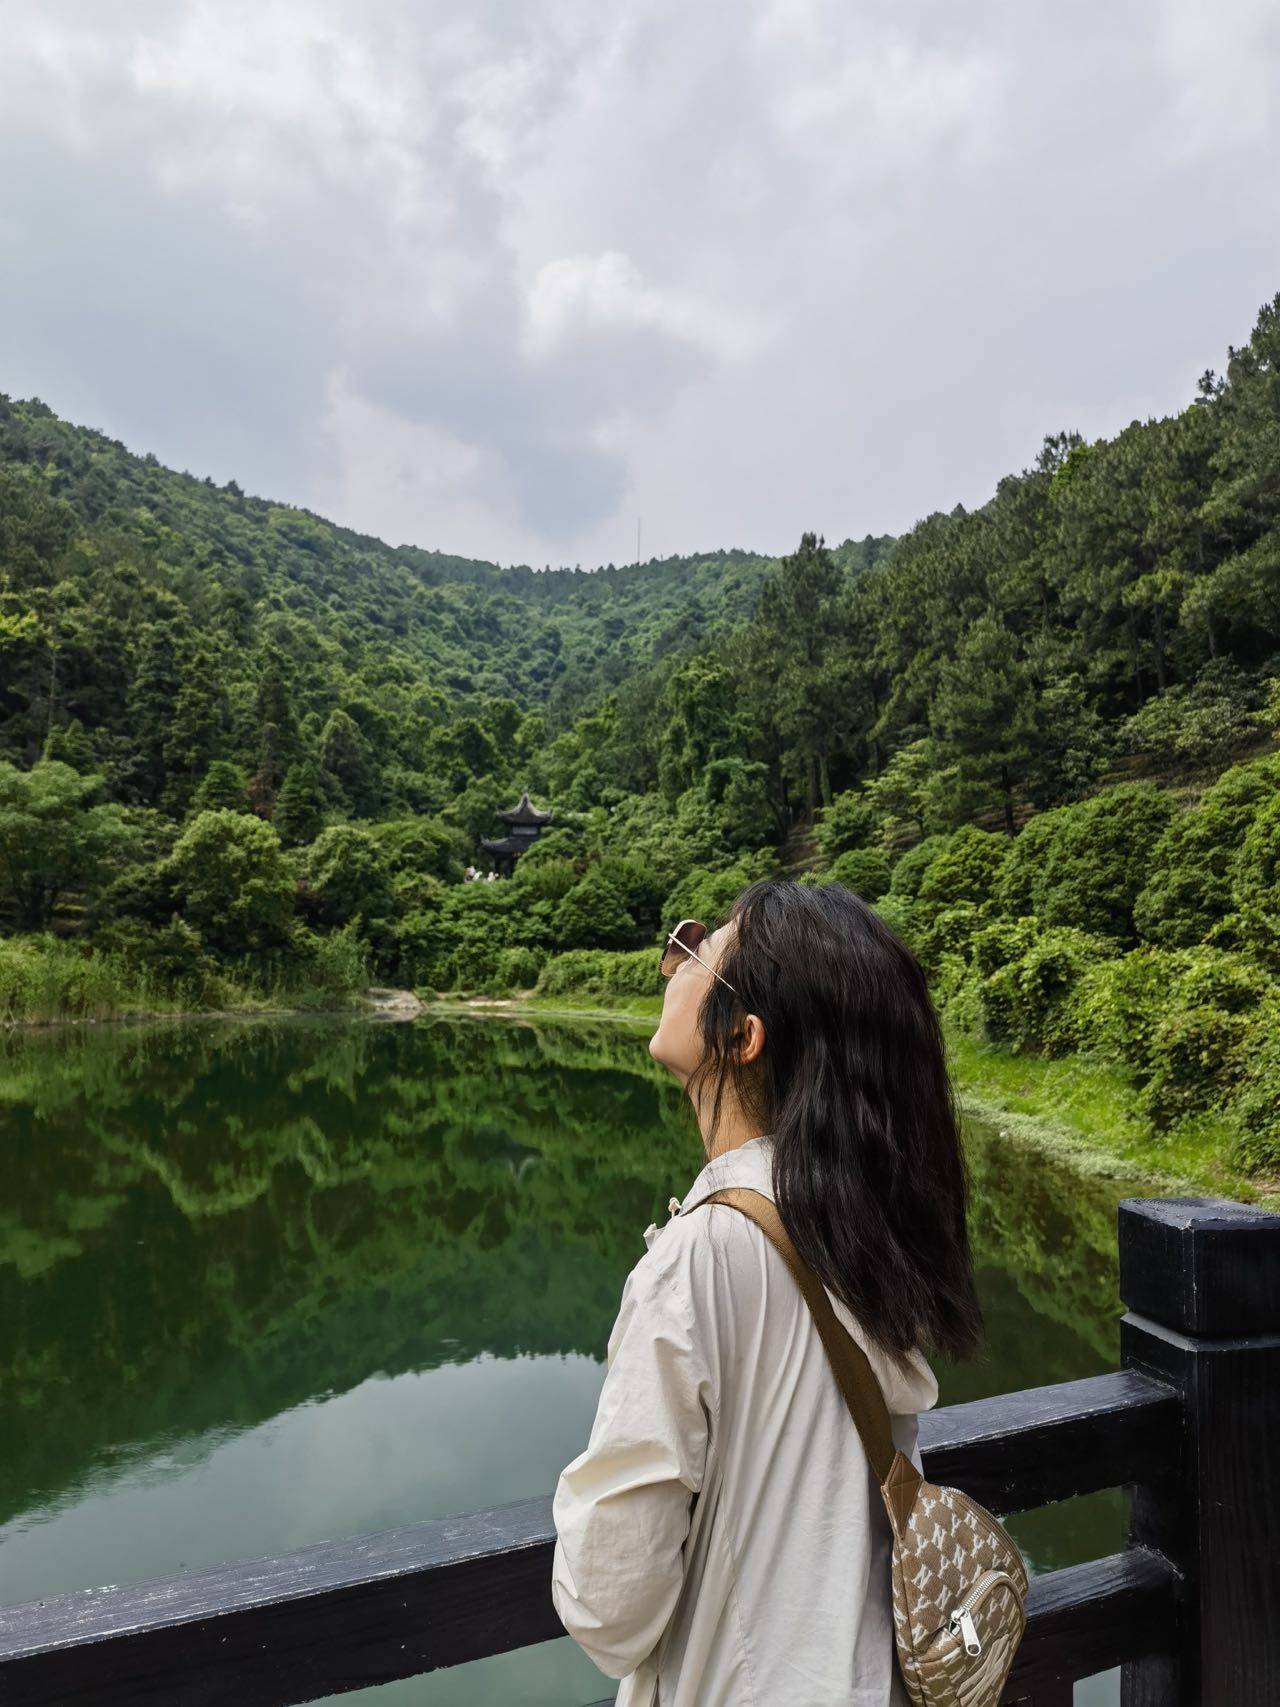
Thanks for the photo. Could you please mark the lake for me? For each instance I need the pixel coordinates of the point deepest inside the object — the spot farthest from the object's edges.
(274, 1282)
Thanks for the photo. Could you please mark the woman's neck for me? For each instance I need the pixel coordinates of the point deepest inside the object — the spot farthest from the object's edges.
(735, 1129)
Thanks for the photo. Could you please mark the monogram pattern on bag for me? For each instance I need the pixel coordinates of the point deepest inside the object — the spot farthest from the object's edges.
(942, 1552)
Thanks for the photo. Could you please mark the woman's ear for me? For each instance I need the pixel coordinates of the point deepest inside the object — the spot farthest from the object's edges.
(751, 1038)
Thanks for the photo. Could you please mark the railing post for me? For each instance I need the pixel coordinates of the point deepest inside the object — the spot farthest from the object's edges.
(1200, 1278)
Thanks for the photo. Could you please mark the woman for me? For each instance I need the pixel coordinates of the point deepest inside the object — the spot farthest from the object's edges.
(722, 1542)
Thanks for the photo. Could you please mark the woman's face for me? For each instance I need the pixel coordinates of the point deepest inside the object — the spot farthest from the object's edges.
(677, 1043)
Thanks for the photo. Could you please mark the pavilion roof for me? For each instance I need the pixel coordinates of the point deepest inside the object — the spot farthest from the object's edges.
(525, 813)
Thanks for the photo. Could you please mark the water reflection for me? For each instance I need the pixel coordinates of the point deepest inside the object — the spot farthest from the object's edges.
(262, 1284)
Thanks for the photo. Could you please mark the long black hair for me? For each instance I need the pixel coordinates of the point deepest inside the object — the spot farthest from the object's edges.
(869, 1171)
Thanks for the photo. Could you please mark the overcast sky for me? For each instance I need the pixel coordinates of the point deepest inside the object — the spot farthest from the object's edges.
(501, 278)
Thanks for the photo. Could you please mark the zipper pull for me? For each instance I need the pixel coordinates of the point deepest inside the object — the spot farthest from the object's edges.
(969, 1631)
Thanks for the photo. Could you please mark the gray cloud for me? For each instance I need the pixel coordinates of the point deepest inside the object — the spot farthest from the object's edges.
(498, 279)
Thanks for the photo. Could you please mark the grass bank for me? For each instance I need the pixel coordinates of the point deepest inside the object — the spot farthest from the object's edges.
(47, 981)
(1077, 1108)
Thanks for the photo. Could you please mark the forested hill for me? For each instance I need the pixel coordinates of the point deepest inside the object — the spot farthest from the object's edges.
(122, 538)
(240, 743)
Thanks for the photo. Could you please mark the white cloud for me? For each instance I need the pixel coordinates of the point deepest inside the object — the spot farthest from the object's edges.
(498, 278)
(581, 295)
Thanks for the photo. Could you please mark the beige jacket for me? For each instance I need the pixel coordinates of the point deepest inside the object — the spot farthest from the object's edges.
(721, 1542)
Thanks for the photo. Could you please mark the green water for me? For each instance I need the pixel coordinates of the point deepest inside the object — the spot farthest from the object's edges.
(267, 1284)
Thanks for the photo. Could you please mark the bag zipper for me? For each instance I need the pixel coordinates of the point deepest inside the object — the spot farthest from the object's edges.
(961, 1617)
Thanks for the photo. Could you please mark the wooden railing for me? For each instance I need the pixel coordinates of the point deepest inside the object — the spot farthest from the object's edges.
(1190, 1426)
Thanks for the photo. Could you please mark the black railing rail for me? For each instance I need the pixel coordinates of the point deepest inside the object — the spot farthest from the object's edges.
(1190, 1426)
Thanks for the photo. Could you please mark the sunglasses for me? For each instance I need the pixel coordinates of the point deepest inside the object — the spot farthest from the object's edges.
(684, 939)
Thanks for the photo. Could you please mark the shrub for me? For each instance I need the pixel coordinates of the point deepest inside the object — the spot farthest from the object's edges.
(864, 870)
(1095, 863)
(328, 965)
(168, 958)
(1256, 1105)
(544, 875)
(468, 965)
(946, 932)
(347, 874)
(1124, 1003)
(1121, 1003)
(1196, 724)
(1256, 886)
(966, 867)
(419, 940)
(1014, 892)
(421, 848)
(44, 978)
(897, 912)
(56, 840)
(1030, 1000)
(599, 974)
(709, 894)
(1000, 941)
(1189, 890)
(1211, 978)
(230, 873)
(849, 823)
(1196, 1061)
(911, 867)
(594, 913)
(518, 968)
(956, 992)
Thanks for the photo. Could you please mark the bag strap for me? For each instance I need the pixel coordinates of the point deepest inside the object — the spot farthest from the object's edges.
(853, 1371)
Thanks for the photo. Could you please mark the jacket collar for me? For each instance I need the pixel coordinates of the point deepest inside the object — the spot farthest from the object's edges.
(746, 1164)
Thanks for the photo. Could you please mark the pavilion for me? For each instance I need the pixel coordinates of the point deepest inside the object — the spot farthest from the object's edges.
(525, 826)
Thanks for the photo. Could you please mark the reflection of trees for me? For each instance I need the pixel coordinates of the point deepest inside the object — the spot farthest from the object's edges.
(1051, 1231)
(204, 1224)
(203, 1227)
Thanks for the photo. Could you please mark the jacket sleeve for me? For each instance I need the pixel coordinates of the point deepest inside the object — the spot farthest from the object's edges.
(622, 1507)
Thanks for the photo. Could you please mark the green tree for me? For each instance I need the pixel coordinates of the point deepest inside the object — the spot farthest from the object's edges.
(347, 874)
(153, 694)
(594, 915)
(984, 711)
(278, 741)
(800, 611)
(57, 838)
(223, 785)
(306, 797)
(70, 745)
(232, 881)
(345, 756)
(1238, 596)
(966, 867)
(906, 794)
(195, 729)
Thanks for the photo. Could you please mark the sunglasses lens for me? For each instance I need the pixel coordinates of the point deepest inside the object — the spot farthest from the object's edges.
(688, 934)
